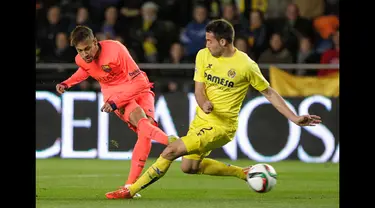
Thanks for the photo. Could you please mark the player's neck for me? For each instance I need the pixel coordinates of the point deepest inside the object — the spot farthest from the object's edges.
(98, 51)
(229, 52)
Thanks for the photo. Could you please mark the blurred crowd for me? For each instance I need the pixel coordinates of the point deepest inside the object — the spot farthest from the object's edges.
(173, 31)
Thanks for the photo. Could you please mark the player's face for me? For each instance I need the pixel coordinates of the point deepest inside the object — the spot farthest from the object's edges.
(87, 49)
(215, 47)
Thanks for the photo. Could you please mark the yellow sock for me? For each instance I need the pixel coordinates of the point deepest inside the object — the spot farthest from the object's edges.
(153, 173)
(216, 168)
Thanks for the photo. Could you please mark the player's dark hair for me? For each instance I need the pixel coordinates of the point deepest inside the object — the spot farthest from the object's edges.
(80, 33)
(222, 29)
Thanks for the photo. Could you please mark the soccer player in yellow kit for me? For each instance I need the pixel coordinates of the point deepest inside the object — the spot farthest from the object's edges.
(222, 77)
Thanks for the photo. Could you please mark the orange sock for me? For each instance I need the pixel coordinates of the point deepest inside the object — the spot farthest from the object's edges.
(140, 154)
(150, 131)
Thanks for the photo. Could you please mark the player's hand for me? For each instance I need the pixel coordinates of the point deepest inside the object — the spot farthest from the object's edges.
(308, 120)
(107, 107)
(207, 107)
(60, 88)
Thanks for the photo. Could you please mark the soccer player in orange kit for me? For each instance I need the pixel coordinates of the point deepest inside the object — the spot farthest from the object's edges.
(126, 90)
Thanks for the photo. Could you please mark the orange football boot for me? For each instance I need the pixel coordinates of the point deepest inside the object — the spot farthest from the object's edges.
(121, 193)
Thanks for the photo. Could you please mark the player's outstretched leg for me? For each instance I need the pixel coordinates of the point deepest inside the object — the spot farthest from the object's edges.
(140, 154)
(145, 127)
(208, 166)
(154, 173)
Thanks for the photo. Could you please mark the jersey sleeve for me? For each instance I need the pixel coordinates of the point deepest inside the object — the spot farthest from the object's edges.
(256, 78)
(199, 66)
(79, 76)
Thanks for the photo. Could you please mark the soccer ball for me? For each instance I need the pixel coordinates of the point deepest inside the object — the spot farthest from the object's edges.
(261, 178)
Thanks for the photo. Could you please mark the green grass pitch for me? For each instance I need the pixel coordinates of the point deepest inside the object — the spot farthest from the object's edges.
(78, 183)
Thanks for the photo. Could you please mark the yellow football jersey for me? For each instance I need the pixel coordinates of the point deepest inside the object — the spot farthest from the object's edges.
(227, 80)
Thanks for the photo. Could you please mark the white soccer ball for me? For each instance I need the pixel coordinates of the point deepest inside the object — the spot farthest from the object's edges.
(261, 178)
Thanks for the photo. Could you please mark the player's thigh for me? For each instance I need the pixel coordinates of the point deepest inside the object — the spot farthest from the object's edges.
(138, 108)
(146, 101)
(201, 140)
(124, 113)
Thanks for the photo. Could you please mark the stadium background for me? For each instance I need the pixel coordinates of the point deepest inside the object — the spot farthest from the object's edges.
(163, 37)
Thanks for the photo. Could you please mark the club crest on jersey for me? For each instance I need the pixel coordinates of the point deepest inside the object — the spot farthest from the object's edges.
(106, 68)
(121, 110)
(231, 73)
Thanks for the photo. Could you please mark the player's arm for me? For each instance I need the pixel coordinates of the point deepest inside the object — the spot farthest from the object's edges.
(258, 81)
(200, 86)
(201, 97)
(78, 76)
(279, 103)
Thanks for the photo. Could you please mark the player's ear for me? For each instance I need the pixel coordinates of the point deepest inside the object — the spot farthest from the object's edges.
(222, 42)
(95, 41)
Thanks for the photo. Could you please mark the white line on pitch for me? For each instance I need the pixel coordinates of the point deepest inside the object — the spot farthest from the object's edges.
(78, 176)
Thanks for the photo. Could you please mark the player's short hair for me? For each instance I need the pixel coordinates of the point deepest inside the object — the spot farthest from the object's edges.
(80, 33)
(222, 29)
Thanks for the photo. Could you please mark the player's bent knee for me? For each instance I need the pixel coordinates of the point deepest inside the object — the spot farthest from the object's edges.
(189, 169)
(151, 120)
(136, 115)
(190, 166)
(174, 150)
(169, 152)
